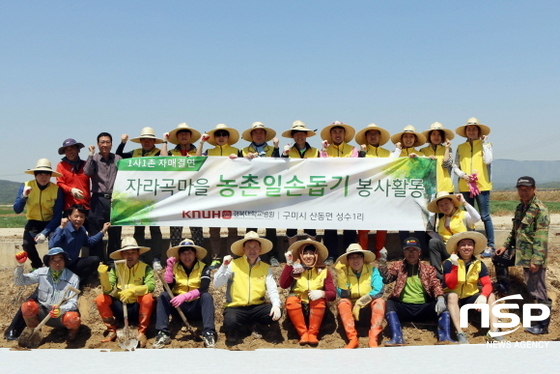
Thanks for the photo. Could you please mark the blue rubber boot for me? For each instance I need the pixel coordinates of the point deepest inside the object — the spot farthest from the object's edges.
(444, 327)
(396, 330)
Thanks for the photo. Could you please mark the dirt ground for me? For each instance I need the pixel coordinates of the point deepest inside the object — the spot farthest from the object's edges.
(282, 335)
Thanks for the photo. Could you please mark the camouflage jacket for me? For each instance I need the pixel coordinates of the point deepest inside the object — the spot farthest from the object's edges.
(397, 272)
(529, 235)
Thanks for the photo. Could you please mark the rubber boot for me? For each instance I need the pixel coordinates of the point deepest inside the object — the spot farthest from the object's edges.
(396, 330)
(541, 327)
(502, 280)
(345, 312)
(30, 311)
(111, 325)
(144, 314)
(363, 238)
(71, 320)
(444, 327)
(316, 314)
(103, 303)
(295, 312)
(377, 315)
(16, 327)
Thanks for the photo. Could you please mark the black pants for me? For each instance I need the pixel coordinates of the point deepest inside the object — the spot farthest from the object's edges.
(198, 309)
(157, 242)
(330, 239)
(100, 213)
(32, 229)
(412, 312)
(84, 267)
(245, 315)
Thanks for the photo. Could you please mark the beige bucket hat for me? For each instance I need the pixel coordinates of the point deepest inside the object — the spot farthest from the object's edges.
(270, 133)
(480, 241)
(420, 138)
(147, 133)
(43, 165)
(298, 246)
(484, 130)
(128, 243)
(237, 247)
(438, 126)
(298, 126)
(201, 252)
(433, 207)
(356, 248)
(183, 127)
(361, 135)
(349, 135)
(233, 134)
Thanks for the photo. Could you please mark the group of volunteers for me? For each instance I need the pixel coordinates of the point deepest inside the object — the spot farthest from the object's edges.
(74, 212)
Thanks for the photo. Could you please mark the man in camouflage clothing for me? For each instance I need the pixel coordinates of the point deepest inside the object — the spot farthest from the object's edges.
(527, 245)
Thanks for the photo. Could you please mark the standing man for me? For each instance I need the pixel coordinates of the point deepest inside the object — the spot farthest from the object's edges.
(248, 281)
(527, 246)
(148, 140)
(102, 169)
(74, 181)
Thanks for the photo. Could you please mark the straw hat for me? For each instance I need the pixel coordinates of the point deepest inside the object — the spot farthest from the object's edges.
(183, 127)
(438, 126)
(237, 247)
(361, 135)
(480, 241)
(433, 205)
(128, 243)
(270, 133)
(298, 126)
(43, 165)
(67, 143)
(349, 135)
(356, 248)
(147, 133)
(200, 251)
(420, 138)
(298, 246)
(53, 252)
(484, 130)
(233, 134)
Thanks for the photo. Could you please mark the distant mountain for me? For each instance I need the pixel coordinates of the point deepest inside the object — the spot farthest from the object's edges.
(506, 172)
(8, 191)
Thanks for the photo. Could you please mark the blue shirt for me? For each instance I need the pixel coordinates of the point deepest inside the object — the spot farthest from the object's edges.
(72, 240)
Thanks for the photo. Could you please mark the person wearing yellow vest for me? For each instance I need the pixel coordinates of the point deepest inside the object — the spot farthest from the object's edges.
(463, 273)
(222, 138)
(148, 140)
(189, 280)
(472, 165)
(370, 139)
(310, 285)
(336, 137)
(439, 148)
(128, 285)
(416, 296)
(453, 220)
(360, 288)
(258, 135)
(184, 137)
(300, 149)
(248, 281)
(43, 202)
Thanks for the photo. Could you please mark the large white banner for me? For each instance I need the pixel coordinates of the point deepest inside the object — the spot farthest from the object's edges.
(329, 193)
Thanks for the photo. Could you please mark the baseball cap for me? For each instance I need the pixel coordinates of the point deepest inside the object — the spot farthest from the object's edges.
(411, 242)
(525, 181)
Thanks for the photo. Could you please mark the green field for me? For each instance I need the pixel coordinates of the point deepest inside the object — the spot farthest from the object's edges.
(8, 219)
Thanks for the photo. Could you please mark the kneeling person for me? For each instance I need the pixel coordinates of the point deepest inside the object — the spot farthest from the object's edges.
(128, 285)
(54, 280)
(189, 280)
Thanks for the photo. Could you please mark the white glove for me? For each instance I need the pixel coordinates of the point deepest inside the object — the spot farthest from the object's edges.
(26, 191)
(298, 269)
(286, 149)
(325, 144)
(316, 295)
(440, 305)
(78, 194)
(289, 258)
(204, 138)
(383, 254)
(156, 265)
(227, 260)
(40, 238)
(275, 313)
(481, 300)
(454, 259)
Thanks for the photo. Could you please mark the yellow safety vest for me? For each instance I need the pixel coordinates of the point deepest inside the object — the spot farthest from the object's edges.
(40, 203)
(470, 160)
(348, 280)
(187, 282)
(310, 280)
(342, 150)
(247, 285)
(224, 150)
(467, 281)
(444, 180)
(138, 152)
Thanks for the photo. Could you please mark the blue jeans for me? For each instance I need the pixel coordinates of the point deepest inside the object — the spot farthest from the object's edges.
(483, 205)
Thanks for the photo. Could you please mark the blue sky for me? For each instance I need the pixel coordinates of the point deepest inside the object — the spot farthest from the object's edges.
(76, 68)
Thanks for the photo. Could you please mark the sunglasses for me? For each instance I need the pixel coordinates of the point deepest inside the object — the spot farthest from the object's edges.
(221, 133)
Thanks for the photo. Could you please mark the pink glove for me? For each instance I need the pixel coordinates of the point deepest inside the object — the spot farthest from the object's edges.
(187, 296)
(473, 188)
(168, 275)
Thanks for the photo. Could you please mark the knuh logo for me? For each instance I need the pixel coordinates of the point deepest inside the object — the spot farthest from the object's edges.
(497, 311)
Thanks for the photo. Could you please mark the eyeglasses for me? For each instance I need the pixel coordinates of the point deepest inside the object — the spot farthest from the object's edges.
(221, 133)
